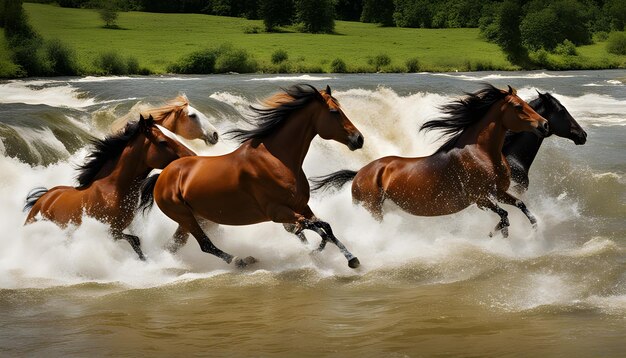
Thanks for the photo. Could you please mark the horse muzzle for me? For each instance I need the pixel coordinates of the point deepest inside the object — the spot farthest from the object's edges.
(211, 138)
(355, 141)
(578, 137)
(543, 129)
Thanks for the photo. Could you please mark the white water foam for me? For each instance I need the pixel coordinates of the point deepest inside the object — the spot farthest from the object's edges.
(30, 93)
(292, 78)
(503, 76)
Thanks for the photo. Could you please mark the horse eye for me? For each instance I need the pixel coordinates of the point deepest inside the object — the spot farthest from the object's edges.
(518, 106)
(162, 143)
(334, 110)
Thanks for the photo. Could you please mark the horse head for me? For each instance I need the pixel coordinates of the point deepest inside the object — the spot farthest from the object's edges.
(562, 123)
(519, 116)
(332, 123)
(163, 148)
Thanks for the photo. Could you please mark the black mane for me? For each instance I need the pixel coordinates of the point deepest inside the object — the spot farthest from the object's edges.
(268, 119)
(105, 149)
(464, 112)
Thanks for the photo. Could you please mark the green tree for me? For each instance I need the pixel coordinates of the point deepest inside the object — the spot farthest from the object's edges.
(275, 13)
(109, 15)
(616, 11)
(316, 15)
(508, 36)
(378, 11)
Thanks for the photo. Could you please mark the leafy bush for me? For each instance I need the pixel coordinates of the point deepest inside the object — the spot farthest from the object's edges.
(601, 36)
(197, 62)
(412, 64)
(61, 59)
(617, 43)
(338, 66)
(111, 63)
(279, 56)
(29, 55)
(252, 30)
(566, 48)
(225, 58)
(379, 61)
(231, 59)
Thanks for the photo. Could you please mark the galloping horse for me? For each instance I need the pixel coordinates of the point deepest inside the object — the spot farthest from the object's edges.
(521, 148)
(260, 181)
(179, 117)
(109, 181)
(469, 168)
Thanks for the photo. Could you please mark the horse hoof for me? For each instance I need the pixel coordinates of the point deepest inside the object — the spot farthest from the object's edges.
(354, 263)
(241, 263)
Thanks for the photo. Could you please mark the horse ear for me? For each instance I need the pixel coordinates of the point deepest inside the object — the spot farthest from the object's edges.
(542, 95)
(150, 121)
(328, 92)
(512, 91)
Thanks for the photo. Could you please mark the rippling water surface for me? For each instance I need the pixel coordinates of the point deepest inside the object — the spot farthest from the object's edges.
(427, 286)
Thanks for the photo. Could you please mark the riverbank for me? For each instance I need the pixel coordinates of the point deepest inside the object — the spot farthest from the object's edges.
(157, 41)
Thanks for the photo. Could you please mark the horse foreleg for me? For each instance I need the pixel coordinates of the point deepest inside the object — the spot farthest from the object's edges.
(507, 198)
(503, 225)
(133, 240)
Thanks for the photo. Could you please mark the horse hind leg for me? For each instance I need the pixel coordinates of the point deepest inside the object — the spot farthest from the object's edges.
(133, 240)
(188, 224)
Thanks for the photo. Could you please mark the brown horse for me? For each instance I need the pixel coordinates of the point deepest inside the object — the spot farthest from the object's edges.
(260, 181)
(179, 117)
(109, 181)
(469, 168)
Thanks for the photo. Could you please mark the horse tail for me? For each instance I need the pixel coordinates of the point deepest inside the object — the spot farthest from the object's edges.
(32, 197)
(146, 200)
(336, 180)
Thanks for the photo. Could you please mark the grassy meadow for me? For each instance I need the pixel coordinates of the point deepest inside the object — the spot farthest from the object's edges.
(158, 40)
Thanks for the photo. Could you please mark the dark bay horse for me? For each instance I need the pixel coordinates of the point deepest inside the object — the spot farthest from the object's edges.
(467, 169)
(178, 116)
(260, 181)
(521, 148)
(109, 181)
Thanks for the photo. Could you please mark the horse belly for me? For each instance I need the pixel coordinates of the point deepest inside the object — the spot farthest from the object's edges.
(229, 209)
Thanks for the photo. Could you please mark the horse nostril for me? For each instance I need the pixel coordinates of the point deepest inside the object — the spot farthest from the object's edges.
(359, 140)
(215, 136)
(545, 126)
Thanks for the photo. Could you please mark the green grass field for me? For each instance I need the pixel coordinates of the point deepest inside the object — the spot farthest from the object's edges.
(157, 40)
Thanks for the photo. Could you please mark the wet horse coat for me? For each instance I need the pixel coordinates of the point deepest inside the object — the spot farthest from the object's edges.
(262, 180)
(469, 168)
(109, 181)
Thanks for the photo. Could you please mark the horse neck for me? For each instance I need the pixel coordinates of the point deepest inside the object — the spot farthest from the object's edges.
(523, 147)
(128, 170)
(291, 142)
(487, 134)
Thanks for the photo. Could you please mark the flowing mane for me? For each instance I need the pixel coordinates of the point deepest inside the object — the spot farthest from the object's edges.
(104, 150)
(159, 114)
(275, 110)
(462, 113)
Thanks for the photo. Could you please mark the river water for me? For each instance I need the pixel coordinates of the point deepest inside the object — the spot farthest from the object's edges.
(427, 286)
